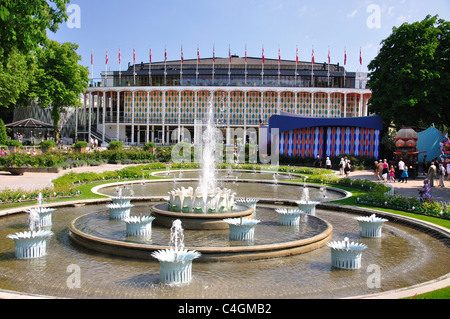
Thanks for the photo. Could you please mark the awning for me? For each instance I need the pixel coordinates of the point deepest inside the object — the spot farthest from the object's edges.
(29, 123)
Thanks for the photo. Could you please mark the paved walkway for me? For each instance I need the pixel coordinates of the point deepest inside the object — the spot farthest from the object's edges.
(29, 181)
(410, 189)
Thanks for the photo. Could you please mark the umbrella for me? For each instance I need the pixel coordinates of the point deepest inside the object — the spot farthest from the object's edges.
(29, 123)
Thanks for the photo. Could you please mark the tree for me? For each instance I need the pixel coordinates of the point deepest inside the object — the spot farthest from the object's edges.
(59, 79)
(15, 77)
(24, 23)
(410, 77)
(3, 134)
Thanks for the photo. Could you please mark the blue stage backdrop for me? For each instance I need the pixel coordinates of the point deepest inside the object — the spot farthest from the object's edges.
(301, 136)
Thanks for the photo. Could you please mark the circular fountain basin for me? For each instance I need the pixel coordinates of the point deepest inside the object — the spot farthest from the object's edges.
(200, 221)
(96, 232)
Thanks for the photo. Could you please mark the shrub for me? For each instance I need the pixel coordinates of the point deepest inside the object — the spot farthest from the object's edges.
(115, 145)
(3, 135)
(48, 143)
(149, 145)
(13, 143)
(81, 144)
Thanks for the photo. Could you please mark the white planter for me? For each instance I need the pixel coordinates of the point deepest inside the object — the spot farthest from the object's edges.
(346, 255)
(31, 244)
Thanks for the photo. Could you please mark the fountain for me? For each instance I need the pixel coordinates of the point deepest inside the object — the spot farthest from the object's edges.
(186, 200)
(370, 226)
(346, 255)
(242, 229)
(44, 214)
(305, 204)
(31, 244)
(139, 226)
(289, 217)
(176, 262)
(121, 206)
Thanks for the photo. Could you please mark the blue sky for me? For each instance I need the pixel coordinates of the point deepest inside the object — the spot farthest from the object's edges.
(285, 24)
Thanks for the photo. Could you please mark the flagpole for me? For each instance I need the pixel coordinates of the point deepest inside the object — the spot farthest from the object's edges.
(165, 66)
(196, 72)
(181, 68)
(279, 64)
(328, 73)
(245, 72)
(296, 67)
(150, 68)
(262, 71)
(312, 68)
(345, 63)
(120, 69)
(92, 66)
(106, 67)
(229, 65)
(134, 67)
(214, 60)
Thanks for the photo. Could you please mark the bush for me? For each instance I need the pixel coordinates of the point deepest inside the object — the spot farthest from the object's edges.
(81, 144)
(48, 143)
(115, 145)
(149, 145)
(13, 143)
(3, 135)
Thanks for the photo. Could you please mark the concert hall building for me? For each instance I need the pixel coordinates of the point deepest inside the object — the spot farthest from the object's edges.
(147, 102)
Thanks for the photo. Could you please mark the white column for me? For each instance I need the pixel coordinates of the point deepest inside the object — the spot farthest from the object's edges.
(90, 114)
(148, 118)
(329, 105)
(229, 118)
(118, 116)
(279, 103)
(345, 104)
(103, 117)
(132, 118)
(312, 104)
(264, 110)
(179, 116)
(163, 117)
(361, 105)
(296, 102)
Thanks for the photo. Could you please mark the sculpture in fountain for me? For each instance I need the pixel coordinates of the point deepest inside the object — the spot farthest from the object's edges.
(32, 244)
(121, 206)
(370, 226)
(242, 228)
(139, 226)
(289, 217)
(305, 204)
(346, 255)
(176, 262)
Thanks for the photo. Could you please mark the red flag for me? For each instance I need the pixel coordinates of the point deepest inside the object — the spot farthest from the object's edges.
(92, 57)
(119, 56)
(165, 55)
(134, 56)
(214, 55)
(263, 55)
(198, 54)
(297, 55)
(182, 59)
(150, 55)
(360, 56)
(229, 53)
(345, 56)
(329, 57)
(106, 56)
(312, 59)
(246, 53)
(279, 55)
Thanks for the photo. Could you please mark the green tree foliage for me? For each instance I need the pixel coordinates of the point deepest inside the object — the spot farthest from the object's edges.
(24, 23)
(59, 79)
(3, 135)
(15, 76)
(410, 77)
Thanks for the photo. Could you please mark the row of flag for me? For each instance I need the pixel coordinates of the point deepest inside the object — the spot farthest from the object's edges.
(229, 54)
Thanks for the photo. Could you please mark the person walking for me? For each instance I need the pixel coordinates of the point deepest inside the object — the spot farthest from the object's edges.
(401, 168)
(376, 173)
(405, 174)
(392, 174)
(448, 171)
(328, 163)
(385, 170)
(432, 173)
(347, 168)
(441, 175)
(342, 166)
